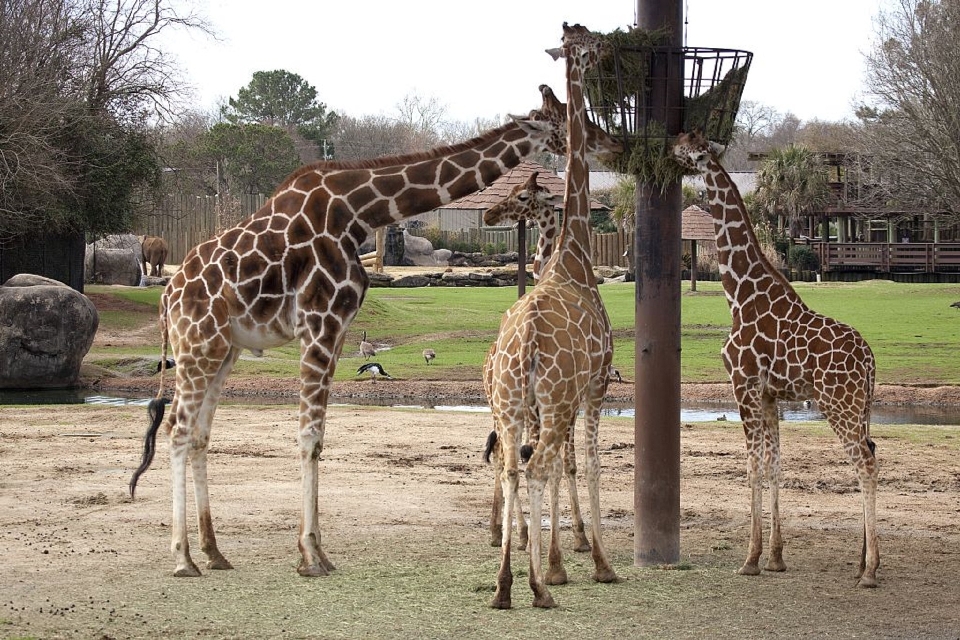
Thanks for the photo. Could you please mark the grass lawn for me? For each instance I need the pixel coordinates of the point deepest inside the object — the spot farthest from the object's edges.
(911, 327)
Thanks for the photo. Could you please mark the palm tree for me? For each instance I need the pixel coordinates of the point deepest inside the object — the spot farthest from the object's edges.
(791, 182)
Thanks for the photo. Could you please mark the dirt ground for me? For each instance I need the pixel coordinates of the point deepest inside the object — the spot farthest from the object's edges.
(404, 503)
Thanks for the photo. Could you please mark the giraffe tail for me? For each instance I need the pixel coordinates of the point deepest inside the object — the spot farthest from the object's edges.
(491, 443)
(155, 409)
(165, 361)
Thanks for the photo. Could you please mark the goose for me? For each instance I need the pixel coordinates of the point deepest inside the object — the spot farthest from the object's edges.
(374, 369)
(367, 350)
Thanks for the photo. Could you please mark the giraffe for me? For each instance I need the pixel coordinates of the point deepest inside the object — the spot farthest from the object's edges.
(779, 349)
(552, 356)
(291, 271)
(531, 202)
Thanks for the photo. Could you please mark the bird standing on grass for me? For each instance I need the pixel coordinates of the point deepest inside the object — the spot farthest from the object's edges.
(367, 349)
(429, 355)
(374, 369)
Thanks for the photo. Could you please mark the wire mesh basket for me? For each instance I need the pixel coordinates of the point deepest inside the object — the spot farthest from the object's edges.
(645, 95)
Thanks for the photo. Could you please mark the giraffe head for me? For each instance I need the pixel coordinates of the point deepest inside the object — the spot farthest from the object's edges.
(528, 201)
(694, 151)
(551, 119)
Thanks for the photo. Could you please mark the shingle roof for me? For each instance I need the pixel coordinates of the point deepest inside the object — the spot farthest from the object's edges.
(501, 187)
(696, 224)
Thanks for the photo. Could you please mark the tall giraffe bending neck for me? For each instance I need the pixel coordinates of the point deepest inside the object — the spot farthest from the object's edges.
(291, 270)
(553, 356)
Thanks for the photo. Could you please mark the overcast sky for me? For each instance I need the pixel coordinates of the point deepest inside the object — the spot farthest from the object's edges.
(486, 59)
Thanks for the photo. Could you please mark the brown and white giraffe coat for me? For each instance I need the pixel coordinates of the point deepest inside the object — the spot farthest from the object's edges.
(552, 356)
(291, 271)
(779, 349)
(530, 202)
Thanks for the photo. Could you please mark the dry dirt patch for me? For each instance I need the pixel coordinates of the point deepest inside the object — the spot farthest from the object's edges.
(404, 502)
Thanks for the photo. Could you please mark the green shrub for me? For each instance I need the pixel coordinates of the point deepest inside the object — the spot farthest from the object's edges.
(803, 258)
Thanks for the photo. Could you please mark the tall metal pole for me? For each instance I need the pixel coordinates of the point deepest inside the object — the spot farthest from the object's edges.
(657, 260)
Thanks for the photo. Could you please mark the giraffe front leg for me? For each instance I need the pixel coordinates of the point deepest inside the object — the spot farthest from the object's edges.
(751, 566)
(198, 460)
(208, 540)
(316, 372)
(870, 551)
(771, 462)
(313, 562)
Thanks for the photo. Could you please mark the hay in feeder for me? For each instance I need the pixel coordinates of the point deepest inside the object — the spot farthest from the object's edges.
(618, 92)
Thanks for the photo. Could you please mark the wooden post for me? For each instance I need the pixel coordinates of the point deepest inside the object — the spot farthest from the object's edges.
(657, 260)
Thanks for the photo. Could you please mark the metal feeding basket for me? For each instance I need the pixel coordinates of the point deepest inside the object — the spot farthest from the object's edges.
(644, 95)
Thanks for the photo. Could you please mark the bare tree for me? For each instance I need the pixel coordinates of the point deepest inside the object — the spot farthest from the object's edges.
(127, 71)
(912, 124)
(78, 79)
(370, 137)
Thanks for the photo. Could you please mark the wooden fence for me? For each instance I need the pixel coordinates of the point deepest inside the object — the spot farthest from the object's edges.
(887, 257)
(186, 221)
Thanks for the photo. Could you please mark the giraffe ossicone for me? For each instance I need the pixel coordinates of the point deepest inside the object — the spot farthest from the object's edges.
(780, 349)
(292, 271)
(552, 357)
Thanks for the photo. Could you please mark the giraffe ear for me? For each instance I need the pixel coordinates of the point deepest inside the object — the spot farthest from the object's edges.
(556, 53)
(533, 124)
(717, 148)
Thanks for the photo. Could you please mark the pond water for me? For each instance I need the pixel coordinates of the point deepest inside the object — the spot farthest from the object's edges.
(689, 411)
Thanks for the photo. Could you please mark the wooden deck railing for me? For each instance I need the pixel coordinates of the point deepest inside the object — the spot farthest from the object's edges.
(889, 257)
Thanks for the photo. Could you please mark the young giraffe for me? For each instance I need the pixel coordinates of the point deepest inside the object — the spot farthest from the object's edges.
(530, 202)
(779, 349)
(291, 271)
(553, 356)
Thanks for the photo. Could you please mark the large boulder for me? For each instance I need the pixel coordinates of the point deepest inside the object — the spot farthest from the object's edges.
(420, 252)
(114, 260)
(46, 328)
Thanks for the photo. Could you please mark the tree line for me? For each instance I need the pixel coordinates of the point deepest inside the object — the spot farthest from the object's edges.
(94, 127)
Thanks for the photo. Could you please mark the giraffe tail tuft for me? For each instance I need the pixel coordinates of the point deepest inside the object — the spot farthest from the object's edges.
(491, 443)
(155, 409)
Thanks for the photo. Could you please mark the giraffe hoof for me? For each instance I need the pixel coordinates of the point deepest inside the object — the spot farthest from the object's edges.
(544, 601)
(867, 582)
(187, 571)
(775, 566)
(556, 577)
(582, 547)
(605, 576)
(312, 570)
(749, 570)
(500, 602)
(219, 563)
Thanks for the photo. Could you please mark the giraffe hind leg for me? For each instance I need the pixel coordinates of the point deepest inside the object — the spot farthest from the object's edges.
(771, 465)
(580, 542)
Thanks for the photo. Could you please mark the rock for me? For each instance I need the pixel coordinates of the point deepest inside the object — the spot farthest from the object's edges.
(46, 329)
(114, 260)
(414, 281)
(380, 279)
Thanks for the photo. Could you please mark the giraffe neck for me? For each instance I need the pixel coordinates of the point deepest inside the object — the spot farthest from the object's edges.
(572, 258)
(358, 197)
(743, 267)
(548, 233)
